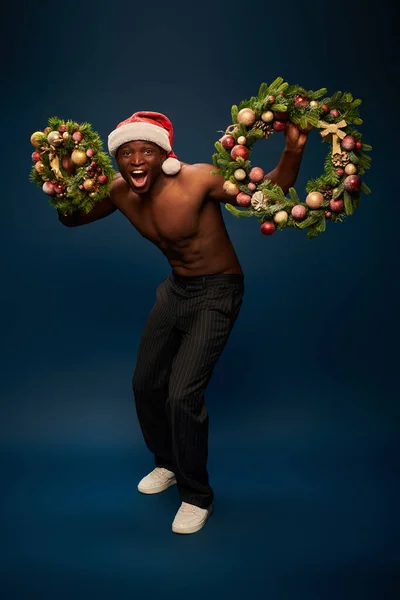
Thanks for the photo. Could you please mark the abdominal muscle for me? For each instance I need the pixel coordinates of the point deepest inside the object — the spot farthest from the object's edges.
(207, 253)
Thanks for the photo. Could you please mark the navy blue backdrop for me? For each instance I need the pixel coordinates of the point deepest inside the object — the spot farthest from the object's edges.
(303, 402)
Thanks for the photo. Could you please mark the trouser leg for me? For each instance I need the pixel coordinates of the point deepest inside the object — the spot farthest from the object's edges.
(158, 345)
(205, 332)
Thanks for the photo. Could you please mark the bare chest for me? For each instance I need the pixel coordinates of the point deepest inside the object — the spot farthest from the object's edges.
(168, 221)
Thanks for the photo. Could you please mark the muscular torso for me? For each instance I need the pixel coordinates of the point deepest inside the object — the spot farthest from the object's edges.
(184, 223)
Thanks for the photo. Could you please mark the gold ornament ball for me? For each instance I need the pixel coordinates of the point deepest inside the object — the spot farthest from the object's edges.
(281, 217)
(334, 192)
(313, 104)
(65, 135)
(79, 157)
(240, 174)
(315, 200)
(350, 169)
(35, 139)
(89, 185)
(39, 167)
(230, 188)
(69, 189)
(54, 138)
(246, 117)
(267, 116)
(241, 140)
(92, 194)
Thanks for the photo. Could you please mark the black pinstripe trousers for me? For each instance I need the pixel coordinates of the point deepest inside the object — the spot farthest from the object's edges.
(182, 340)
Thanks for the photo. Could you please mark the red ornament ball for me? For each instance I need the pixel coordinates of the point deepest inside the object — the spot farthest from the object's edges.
(279, 125)
(35, 156)
(77, 136)
(281, 115)
(271, 99)
(90, 152)
(352, 183)
(256, 174)
(348, 143)
(335, 113)
(241, 151)
(58, 188)
(299, 212)
(102, 179)
(328, 214)
(325, 108)
(228, 141)
(62, 129)
(336, 206)
(358, 145)
(300, 101)
(268, 228)
(81, 187)
(242, 199)
(340, 172)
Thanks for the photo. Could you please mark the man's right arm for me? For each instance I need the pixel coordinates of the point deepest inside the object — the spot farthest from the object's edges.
(101, 209)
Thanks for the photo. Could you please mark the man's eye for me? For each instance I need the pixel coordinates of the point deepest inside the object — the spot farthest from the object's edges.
(126, 153)
(147, 151)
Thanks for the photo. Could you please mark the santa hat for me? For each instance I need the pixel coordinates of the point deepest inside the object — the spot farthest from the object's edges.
(151, 127)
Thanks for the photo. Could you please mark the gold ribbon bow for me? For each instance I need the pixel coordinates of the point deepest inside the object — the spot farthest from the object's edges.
(55, 165)
(335, 129)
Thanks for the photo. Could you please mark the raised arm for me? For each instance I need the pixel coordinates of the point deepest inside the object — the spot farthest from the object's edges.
(100, 210)
(284, 174)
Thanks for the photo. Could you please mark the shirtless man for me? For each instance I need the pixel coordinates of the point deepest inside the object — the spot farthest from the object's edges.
(177, 207)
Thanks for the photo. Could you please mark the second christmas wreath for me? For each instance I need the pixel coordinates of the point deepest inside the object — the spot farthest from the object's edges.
(331, 196)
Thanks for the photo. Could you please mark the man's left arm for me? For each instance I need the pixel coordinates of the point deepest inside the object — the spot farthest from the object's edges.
(286, 171)
(284, 174)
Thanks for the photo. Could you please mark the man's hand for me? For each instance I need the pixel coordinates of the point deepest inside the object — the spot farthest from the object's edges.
(295, 138)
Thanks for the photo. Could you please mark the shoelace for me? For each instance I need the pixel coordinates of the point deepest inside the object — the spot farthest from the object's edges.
(187, 508)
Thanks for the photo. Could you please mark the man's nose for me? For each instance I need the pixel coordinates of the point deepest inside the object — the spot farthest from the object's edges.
(137, 158)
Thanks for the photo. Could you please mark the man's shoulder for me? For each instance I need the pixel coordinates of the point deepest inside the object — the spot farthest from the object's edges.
(198, 171)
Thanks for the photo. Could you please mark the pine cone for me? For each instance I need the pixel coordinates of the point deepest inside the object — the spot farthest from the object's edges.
(340, 160)
(266, 128)
(326, 191)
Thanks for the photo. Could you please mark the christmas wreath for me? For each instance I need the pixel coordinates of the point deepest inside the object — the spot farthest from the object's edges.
(333, 195)
(70, 165)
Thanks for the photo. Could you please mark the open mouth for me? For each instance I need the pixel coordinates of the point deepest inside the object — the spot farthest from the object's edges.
(139, 178)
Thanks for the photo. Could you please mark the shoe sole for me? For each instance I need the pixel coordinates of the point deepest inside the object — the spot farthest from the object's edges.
(193, 529)
(157, 490)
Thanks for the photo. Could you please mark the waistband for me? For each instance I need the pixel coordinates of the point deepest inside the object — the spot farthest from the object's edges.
(204, 280)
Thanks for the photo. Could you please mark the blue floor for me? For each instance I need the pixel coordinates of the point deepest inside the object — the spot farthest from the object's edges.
(313, 519)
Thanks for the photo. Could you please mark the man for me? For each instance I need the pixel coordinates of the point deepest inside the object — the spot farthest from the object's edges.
(177, 207)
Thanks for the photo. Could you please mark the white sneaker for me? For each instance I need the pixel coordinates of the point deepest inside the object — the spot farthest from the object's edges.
(157, 481)
(190, 518)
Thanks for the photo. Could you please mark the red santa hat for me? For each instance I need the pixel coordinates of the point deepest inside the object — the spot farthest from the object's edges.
(151, 127)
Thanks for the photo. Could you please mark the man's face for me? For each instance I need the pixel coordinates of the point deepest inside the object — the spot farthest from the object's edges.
(140, 163)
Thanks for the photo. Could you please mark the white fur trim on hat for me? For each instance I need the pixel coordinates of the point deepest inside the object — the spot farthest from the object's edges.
(138, 131)
(171, 166)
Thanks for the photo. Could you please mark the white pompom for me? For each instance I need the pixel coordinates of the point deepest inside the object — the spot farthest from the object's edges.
(171, 166)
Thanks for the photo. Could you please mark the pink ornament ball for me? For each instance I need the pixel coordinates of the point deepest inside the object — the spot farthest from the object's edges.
(352, 183)
(299, 212)
(256, 174)
(243, 199)
(348, 143)
(35, 156)
(48, 188)
(77, 136)
(252, 186)
(340, 172)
